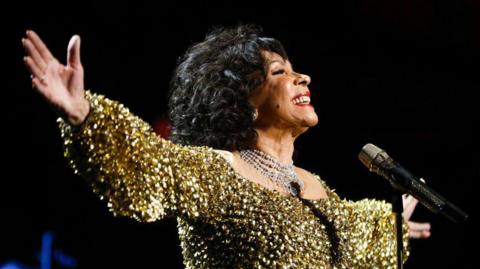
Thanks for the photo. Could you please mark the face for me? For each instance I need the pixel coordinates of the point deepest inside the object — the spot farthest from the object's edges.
(283, 99)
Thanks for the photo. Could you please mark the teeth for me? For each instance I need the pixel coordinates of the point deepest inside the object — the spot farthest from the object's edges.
(301, 100)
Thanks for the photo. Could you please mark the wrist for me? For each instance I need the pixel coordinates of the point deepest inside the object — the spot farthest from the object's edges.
(81, 113)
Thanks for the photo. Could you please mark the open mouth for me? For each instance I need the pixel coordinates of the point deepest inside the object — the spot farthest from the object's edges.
(302, 99)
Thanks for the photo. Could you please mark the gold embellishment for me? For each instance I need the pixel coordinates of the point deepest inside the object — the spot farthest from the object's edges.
(224, 221)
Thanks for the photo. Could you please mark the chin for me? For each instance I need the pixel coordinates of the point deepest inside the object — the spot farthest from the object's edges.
(311, 120)
(311, 123)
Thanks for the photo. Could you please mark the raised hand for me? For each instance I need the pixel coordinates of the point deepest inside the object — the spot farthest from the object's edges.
(61, 85)
(417, 230)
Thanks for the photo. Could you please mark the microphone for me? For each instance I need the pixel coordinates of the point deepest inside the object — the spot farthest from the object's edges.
(378, 161)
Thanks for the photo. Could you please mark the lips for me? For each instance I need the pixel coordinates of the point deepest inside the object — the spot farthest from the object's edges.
(302, 98)
(307, 93)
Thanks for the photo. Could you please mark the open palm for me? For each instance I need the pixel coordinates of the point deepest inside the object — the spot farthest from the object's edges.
(61, 85)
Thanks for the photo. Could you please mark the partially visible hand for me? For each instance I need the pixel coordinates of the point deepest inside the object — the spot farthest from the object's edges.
(417, 230)
(61, 85)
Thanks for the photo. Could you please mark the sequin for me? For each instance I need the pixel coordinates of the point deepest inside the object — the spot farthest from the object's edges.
(224, 220)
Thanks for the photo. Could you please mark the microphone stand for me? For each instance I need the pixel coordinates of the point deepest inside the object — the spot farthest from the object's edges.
(397, 208)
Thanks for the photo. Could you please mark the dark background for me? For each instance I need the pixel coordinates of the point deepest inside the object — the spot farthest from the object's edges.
(400, 74)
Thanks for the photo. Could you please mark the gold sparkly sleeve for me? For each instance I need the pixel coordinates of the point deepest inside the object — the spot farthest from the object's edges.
(138, 173)
(374, 233)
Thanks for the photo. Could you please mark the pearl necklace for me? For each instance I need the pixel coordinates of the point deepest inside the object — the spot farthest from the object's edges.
(280, 174)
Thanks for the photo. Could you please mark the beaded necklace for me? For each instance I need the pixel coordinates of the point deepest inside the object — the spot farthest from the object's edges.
(283, 175)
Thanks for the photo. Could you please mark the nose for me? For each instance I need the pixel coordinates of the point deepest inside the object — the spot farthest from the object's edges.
(302, 79)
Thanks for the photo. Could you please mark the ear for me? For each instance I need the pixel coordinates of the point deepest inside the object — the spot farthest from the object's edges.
(255, 114)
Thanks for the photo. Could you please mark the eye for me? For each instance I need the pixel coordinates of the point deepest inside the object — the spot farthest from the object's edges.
(278, 72)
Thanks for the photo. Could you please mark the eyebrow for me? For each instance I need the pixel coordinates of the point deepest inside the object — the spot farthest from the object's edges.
(276, 61)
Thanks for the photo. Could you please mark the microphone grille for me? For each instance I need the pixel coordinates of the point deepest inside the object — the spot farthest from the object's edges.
(368, 153)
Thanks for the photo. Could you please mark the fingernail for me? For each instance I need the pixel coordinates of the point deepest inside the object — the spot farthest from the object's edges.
(23, 40)
(27, 32)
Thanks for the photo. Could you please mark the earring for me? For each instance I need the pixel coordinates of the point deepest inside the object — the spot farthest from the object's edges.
(255, 115)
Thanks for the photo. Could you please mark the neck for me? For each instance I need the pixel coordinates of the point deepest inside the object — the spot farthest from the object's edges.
(277, 143)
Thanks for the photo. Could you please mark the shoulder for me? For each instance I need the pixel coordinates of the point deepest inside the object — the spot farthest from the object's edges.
(302, 172)
(315, 188)
(227, 155)
(312, 177)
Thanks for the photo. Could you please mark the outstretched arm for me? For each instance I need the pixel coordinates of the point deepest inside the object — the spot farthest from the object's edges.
(138, 173)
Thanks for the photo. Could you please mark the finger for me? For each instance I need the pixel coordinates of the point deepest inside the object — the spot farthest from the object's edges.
(33, 53)
(416, 226)
(407, 200)
(408, 210)
(425, 234)
(414, 234)
(73, 54)
(41, 47)
(419, 234)
(36, 83)
(33, 67)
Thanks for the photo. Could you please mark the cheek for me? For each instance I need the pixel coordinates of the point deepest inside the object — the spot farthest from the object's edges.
(280, 104)
(276, 97)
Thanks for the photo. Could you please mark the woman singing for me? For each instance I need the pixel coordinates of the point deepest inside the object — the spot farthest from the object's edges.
(236, 107)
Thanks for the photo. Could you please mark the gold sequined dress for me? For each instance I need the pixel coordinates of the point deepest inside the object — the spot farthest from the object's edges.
(224, 220)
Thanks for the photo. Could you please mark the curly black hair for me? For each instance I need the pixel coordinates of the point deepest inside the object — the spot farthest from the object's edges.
(211, 85)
